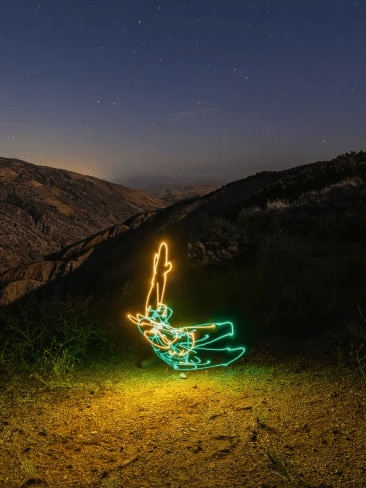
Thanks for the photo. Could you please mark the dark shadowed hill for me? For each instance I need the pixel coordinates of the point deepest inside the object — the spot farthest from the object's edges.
(43, 210)
(174, 193)
(281, 253)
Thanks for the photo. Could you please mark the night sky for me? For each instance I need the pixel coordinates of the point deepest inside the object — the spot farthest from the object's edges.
(201, 89)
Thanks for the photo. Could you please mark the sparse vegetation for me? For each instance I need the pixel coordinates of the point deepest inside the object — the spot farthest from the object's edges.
(288, 266)
(357, 344)
(282, 468)
(295, 263)
(217, 242)
(288, 263)
(52, 337)
(28, 468)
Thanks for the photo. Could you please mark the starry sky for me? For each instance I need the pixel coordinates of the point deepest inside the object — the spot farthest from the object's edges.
(136, 91)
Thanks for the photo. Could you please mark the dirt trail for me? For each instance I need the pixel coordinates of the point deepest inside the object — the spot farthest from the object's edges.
(248, 426)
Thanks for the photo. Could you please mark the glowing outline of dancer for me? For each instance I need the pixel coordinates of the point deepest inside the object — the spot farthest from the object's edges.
(178, 346)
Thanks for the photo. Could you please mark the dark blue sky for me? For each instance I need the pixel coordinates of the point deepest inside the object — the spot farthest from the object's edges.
(222, 89)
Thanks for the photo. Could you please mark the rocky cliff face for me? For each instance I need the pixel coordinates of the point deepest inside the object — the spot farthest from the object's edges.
(43, 210)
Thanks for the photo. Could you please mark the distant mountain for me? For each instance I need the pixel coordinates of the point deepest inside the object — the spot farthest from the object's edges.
(280, 253)
(43, 210)
(154, 180)
(170, 194)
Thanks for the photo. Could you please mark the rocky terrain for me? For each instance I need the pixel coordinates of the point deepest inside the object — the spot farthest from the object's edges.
(43, 210)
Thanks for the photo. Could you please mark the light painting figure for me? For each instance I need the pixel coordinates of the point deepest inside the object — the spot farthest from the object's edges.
(183, 348)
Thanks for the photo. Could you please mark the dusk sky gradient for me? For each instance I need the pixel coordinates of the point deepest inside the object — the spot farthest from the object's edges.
(204, 89)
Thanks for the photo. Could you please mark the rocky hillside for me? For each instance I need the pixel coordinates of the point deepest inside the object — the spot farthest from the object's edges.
(43, 210)
(281, 253)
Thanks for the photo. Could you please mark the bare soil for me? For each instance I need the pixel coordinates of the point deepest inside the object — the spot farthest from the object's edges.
(262, 425)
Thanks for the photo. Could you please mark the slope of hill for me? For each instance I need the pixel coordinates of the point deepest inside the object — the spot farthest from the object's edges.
(174, 193)
(276, 248)
(43, 210)
(282, 255)
(280, 252)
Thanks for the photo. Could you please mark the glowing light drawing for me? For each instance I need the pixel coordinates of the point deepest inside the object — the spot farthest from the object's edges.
(187, 347)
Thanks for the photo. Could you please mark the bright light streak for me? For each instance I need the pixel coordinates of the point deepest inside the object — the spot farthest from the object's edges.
(187, 347)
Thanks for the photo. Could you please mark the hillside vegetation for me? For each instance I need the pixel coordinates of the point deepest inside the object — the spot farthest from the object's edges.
(281, 254)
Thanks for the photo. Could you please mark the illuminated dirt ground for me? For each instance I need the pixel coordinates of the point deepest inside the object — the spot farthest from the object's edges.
(253, 425)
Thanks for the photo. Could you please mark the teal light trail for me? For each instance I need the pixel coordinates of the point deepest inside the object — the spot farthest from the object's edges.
(184, 348)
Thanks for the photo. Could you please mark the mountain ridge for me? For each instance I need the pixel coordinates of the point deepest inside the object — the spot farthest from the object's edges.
(214, 228)
(45, 209)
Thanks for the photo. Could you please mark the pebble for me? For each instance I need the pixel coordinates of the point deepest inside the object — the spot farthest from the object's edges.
(183, 376)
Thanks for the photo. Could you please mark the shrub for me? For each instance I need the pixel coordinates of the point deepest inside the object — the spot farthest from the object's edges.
(52, 335)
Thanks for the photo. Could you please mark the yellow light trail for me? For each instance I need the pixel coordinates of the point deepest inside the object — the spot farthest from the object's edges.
(183, 348)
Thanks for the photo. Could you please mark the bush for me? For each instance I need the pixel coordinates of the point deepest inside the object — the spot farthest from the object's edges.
(52, 335)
